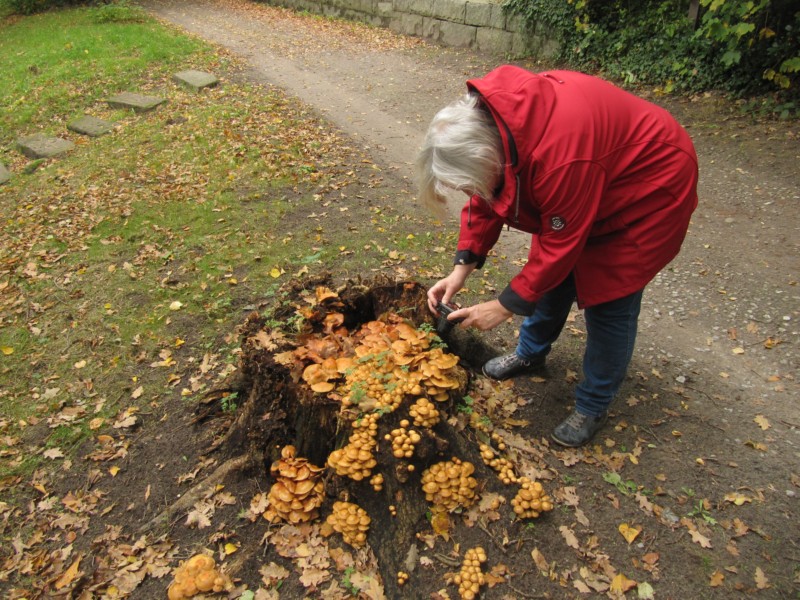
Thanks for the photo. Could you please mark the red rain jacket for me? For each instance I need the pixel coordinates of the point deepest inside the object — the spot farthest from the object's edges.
(605, 181)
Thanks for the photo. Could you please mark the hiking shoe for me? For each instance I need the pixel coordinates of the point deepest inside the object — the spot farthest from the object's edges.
(509, 365)
(577, 429)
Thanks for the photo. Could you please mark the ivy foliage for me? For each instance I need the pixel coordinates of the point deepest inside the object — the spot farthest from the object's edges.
(748, 47)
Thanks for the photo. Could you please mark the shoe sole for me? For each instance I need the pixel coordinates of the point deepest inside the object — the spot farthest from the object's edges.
(530, 370)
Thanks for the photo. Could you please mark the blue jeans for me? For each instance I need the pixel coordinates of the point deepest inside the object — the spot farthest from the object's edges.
(611, 334)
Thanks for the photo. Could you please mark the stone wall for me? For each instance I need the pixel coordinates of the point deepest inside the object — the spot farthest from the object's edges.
(478, 24)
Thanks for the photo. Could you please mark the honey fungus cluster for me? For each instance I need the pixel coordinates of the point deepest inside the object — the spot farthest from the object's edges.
(450, 484)
(424, 413)
(197, 575)
(351, 521)
(503, 466)
(471, 577)
(531, 500)
(297, 492)
(403, 440)
(379, 365)
(357, 459)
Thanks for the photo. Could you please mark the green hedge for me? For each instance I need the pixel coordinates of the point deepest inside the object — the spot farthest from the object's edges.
(746, 47)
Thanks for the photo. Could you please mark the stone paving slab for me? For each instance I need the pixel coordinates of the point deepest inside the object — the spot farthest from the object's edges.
(91, 126)
(5, 174)
(40, 145)
(138, 102)
(195, 80)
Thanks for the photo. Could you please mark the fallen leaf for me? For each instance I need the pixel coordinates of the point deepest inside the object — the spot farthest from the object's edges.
(629, 533)
(645, 591)
(176, 305)
(621, 584)
(762, 582)
(539, 561)
(53, 453)
(762, 422)
(737, 499)
(717, 578)
(7, 350)
(137, 392)
(69, 575)
(569, 537)
(80, 364)
(699, 538)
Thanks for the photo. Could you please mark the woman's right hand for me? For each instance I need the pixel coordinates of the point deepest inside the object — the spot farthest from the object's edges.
(444, 289)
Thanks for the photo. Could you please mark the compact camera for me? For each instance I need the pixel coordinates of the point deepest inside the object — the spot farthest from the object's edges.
(443, 326)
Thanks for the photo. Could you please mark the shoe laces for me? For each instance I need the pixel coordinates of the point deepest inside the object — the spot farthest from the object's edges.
(511, 359)
(576, 420)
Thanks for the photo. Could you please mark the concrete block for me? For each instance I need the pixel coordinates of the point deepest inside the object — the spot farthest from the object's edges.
(138, 102)
(478, 13)
(40, 145)
(91, 126)
(407, 24)
(450, 10)
(430, 28)
(384, 9)
(195, 80)
(457, 34)
(493, 41)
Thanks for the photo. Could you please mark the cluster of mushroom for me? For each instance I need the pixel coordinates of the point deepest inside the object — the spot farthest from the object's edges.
(424, 413)
(297, 492)
(531, 500)
(376, 481)
(449, 484)
(402, 577)
(435, 365)
(403, 440)
(357, 459)
(351, 521)
(197, 575)
(322, 377)
(503, 466)
(471, 577)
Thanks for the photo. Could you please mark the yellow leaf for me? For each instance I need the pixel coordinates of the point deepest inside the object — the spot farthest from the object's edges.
(179, 342)
(762, 422)
(137, 392)
(96, 423)
(80, 364)
(114, 470)
(717, 578)
(410, 236)
(737, 499)
(7, 350)
(230, 548)
(738, 350)
(275, 272)
(629, 533)
(440, 522)
(176, 305)
(621, 584)
(69, 575)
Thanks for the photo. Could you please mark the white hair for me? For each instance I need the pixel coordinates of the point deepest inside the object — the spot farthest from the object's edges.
(462, 151)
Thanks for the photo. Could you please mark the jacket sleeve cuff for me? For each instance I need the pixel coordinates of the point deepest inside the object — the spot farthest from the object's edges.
(465, 257)
(510, 300)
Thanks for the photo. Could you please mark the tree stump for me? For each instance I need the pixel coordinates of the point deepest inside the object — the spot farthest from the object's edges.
(278, 408)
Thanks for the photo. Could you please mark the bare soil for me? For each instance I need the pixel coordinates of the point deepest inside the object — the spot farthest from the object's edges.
(702, 451)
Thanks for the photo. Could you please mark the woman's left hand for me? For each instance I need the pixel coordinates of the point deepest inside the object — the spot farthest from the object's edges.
(486, 315)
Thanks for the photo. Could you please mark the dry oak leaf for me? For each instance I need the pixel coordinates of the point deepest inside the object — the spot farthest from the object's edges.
(569, 537)
(762, 422)
(699, 538)
(717, 578)
(762, 582)
(68, 576)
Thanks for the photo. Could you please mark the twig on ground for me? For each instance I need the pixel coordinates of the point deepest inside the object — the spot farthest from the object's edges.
(491, 537)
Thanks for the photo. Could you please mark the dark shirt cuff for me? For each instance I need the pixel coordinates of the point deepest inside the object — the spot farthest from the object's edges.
(510, 300)
(465, 257)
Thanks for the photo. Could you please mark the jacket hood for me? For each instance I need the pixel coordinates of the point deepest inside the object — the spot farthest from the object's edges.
(521, 103)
